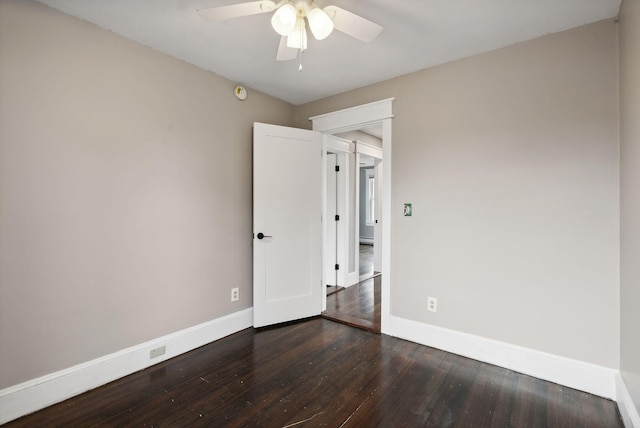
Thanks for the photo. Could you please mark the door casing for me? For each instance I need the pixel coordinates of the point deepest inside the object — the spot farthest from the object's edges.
(379, 112)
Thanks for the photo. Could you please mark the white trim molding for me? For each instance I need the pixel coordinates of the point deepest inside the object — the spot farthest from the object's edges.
(628, 411)
(36, 394)
(369, 150)
(337, 144)
(587, 377)
(359, 115)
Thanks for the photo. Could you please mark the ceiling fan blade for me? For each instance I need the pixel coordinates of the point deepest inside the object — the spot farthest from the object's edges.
(352, 24)
(222, 13)
(285, 53)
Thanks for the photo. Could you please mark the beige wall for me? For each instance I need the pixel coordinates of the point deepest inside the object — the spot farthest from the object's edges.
(125, 192)
(511, 162)
(630, 196)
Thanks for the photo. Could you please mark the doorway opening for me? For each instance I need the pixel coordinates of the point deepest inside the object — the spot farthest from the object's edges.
(352, 209)
(360, 196)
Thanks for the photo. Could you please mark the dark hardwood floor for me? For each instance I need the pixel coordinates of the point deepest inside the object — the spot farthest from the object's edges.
(366, 262)
(357, 306)
(321, 373)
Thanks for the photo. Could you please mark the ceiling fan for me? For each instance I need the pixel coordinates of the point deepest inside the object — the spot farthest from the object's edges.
(290, 20)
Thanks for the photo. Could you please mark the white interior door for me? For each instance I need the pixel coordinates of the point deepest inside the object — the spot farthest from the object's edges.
(330, 240)
(343, 149)
(287, 228)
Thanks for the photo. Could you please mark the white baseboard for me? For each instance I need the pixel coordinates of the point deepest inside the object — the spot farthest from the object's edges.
(591, 378)
(36, 394)
(628, 410)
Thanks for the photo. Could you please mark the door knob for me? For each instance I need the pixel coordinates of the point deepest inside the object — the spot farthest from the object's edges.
(262, 235)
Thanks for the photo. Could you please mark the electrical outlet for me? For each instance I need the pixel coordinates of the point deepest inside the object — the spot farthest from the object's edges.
(235, 294)
(155, 353)
(432, 304)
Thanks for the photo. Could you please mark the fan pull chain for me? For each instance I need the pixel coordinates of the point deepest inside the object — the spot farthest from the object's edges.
(300, 57)
(302, 30)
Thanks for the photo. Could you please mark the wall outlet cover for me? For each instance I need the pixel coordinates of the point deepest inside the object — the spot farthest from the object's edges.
(432, 304)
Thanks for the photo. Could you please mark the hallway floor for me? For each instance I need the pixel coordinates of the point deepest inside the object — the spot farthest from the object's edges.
(357, 306)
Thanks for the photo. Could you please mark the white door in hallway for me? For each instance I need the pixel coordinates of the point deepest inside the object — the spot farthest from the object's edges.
(287, 224)
(331, 238)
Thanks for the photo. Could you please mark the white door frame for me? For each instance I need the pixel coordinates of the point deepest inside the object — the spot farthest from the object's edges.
(377, 227)
(357, 118)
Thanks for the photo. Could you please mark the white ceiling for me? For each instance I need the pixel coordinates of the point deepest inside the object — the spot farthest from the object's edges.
(417, 34)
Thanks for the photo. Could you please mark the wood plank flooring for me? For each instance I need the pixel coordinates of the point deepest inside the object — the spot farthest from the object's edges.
(357, 306)
(322, 373)
(366, 262)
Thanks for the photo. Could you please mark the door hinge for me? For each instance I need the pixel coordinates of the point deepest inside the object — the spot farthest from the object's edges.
(337, 266)
(337, 217)
(337, 168)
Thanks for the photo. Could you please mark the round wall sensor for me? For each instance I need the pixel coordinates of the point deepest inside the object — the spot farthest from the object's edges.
(241, 92)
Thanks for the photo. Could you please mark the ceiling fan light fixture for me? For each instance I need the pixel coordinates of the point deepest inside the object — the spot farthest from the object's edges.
(297, 39)
(319, 23)
(284, 20)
